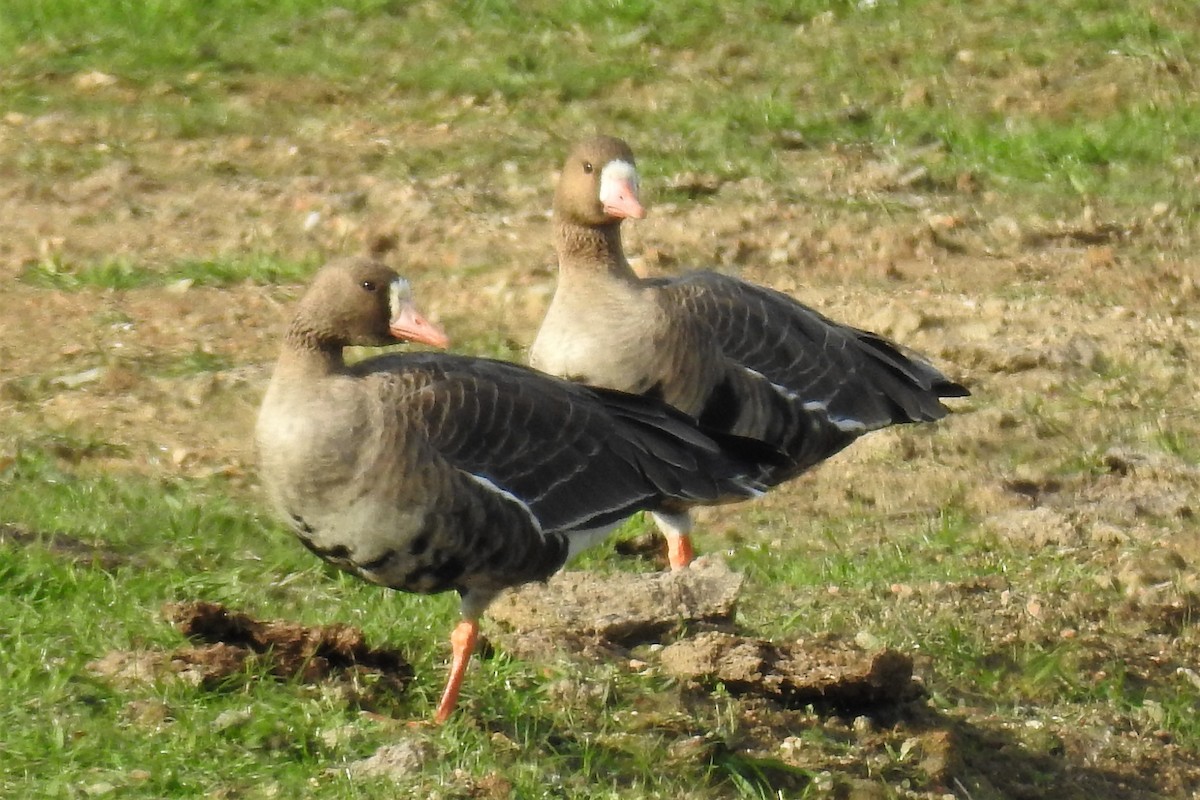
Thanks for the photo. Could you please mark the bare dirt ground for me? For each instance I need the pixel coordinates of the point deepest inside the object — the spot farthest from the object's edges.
(1025, 310)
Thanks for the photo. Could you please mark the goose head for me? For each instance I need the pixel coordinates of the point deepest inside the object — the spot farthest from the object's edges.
(365, 303)
(598, 184)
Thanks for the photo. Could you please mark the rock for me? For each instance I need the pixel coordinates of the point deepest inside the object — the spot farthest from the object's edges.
(793, 674)
(623, 608)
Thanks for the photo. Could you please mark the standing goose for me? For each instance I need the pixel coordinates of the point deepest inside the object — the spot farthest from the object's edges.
(737, 357)
(429, 472)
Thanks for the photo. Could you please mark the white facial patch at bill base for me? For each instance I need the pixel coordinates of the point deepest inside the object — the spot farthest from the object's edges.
(399, 295)
(616, 178)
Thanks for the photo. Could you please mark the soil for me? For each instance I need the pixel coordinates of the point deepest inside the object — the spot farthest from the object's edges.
(1098, 303)
(623, 609)
(228, 646)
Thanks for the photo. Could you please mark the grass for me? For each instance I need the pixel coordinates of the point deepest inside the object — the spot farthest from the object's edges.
(1032, 100)
(66, 614)
(185, 539)
(262, 269)
(1049, 108)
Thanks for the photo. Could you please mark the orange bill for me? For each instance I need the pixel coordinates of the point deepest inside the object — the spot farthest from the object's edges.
(410, 325)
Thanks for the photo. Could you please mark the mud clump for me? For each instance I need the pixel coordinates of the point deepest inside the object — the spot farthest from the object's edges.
(228, 644)
(286, 650)
(599, 616)
(792, 674)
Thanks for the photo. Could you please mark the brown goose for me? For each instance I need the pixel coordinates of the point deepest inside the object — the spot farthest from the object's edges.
(738, 357)
(430, 472)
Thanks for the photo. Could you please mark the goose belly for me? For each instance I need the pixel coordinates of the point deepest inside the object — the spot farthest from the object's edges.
(383, 545)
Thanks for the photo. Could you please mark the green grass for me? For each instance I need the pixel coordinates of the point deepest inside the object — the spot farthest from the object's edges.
(1085, 99)
(169, 539)
(166, 540)
(261, 269)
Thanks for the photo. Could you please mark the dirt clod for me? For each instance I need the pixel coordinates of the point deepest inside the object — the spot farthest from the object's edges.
(397, 761)
(793, 674)
(230, 643)
(625, 608)
(289, 650)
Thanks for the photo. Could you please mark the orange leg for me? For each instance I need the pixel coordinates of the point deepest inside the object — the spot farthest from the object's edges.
(462, 644)
(677, 528)
(679, 551)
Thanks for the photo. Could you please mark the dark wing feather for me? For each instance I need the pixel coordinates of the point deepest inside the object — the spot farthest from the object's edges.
(808, 383)
(577, 458)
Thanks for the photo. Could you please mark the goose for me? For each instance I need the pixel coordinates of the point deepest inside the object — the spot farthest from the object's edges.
(738, 357)
(429, 472)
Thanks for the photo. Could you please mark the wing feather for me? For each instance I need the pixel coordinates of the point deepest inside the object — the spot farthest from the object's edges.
(792, 375)
(575, 457)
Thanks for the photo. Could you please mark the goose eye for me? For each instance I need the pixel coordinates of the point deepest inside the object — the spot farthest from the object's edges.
(587, 167)
(369, 285)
